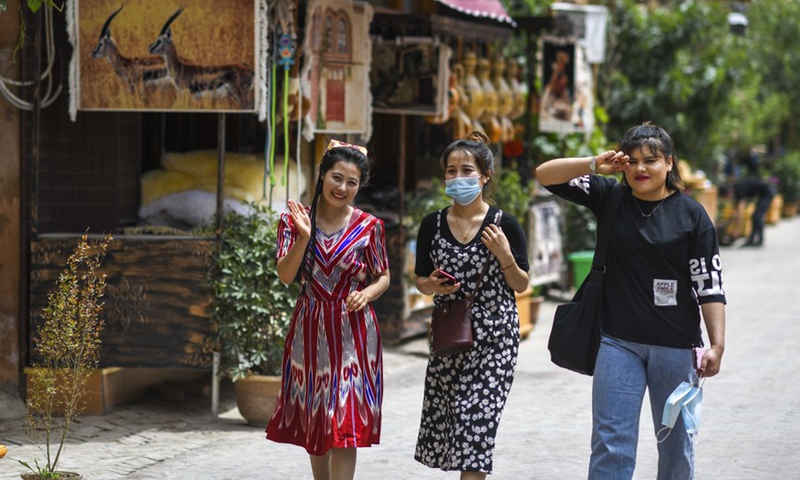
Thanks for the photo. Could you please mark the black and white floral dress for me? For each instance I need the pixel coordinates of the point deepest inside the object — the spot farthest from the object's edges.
(465, 393)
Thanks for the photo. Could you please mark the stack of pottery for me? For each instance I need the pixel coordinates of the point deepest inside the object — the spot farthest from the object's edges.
(489, 118)
(462, 124)
(520, 100)
(505, 98)
(475, 104)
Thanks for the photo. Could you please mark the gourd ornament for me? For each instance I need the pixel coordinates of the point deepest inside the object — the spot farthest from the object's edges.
(472, 86)
(505, 98)
(512, 77)
(490, 103)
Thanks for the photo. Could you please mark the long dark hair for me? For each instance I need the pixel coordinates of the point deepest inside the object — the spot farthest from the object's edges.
(331, 158)
(657, 140)
(478, 145)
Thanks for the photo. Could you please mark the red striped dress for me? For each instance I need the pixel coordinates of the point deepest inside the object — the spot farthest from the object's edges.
(332, 385)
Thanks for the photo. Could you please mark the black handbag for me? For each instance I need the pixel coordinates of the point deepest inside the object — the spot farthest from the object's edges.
(451, 322)
(575, 336)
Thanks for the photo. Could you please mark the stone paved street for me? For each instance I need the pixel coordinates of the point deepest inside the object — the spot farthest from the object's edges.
(750, 427)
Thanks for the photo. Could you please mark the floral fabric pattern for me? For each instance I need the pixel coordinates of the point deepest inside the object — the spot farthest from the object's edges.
(465, 393)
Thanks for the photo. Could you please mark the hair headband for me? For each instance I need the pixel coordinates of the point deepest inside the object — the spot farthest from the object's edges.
(337, 144)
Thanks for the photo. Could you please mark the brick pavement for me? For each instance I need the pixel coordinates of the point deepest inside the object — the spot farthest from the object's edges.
(750, 428)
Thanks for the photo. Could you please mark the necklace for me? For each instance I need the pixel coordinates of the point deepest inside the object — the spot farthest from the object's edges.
(332, 228)
(469, 232)
(636, 201)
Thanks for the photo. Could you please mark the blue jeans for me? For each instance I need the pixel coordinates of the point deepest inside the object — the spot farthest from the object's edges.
(623, 370)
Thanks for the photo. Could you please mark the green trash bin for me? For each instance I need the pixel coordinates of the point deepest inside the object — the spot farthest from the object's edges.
(581, 264)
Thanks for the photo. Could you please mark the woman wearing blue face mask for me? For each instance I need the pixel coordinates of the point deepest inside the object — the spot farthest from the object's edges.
(465, 392)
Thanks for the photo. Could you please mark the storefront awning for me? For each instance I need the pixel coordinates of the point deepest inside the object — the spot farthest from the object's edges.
(480, 8)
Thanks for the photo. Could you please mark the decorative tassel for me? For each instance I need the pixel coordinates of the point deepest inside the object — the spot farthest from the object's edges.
(263, 59)
(74, 87)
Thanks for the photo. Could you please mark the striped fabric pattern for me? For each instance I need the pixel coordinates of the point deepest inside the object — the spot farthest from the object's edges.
(332, 385)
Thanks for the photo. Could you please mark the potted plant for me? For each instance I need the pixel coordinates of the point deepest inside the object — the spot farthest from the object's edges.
(512, 195)
(787, 170)
(251, 310)
(537, 297)
(66, 351)
(422, 202)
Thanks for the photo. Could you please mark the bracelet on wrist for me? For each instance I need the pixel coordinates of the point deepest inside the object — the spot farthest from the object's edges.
(593, 165)
(503, 269)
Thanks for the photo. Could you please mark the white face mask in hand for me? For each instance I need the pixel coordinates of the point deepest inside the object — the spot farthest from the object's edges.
(686, 400)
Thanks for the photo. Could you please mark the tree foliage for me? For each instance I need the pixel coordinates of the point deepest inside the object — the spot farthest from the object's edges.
(667, 64)
(679, 65)
(772, 68)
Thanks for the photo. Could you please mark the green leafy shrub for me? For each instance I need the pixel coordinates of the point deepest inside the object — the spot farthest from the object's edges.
(251, 308)
(581, 228)
(422, 202)
(787, 170)
(512, 195)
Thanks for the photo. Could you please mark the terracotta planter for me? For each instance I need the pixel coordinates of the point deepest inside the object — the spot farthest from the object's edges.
(61, 476)
(774, 212)
(524, 308)
(536, 302)
(255, 398)
(790, 209)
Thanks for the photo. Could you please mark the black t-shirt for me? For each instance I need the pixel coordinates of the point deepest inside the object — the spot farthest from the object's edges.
(658, 268)
(513, 230)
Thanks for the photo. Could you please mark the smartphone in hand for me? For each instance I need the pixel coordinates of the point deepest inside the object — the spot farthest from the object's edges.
(451, 280)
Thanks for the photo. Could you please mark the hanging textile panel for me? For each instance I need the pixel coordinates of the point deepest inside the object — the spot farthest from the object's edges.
(410, 78)
(203, 55)
(589, 25)
(545, 243)
(336, 68)
(567, 102)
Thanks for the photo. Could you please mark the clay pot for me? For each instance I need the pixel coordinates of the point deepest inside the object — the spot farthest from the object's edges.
(256, 396)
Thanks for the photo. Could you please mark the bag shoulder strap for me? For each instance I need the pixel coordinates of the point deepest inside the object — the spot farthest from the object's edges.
(497, 217)
(604, 226)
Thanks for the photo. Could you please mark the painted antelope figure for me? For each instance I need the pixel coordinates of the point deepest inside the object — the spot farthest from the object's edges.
(134, 71)
(235, 81)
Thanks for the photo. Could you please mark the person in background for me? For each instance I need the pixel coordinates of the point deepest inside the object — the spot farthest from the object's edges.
(465, 393)
(663, 261)
(332, 385)
(754, 188)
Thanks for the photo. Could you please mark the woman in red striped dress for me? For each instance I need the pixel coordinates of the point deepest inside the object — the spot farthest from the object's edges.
(332, 386)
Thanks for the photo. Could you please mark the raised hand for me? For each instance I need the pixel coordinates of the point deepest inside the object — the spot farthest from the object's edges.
(300, 218)
(611, 162)
(495, 240)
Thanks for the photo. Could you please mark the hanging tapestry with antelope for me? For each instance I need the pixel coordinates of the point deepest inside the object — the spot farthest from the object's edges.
(199, 55)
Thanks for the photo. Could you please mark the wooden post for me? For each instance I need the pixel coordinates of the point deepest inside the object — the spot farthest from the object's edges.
(220, 212)
(532, 98)
(220, 170)
(401, 174)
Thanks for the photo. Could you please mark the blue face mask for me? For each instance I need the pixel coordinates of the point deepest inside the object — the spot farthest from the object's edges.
(686, 400)
(464, 190)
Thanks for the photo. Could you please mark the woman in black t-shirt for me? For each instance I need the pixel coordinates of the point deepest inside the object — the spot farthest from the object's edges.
(465, 392)
(663, 261)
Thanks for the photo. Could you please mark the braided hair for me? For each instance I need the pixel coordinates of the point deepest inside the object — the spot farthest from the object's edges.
(332, 157)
